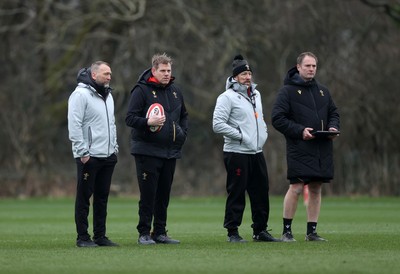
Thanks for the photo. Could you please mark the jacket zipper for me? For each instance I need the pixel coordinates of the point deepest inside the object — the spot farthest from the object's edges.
(108, 129)
(315, 105)
(316, 113)
(255, 116)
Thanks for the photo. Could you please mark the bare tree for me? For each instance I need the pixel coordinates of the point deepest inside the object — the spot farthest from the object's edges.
(391, 8)
(45, 43)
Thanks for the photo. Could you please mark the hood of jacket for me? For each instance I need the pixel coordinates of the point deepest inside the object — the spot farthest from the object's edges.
(236, 86)
(293, 78)
(84, 76)
(146, 75)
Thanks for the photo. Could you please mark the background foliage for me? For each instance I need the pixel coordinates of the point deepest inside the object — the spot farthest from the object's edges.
(45, 42)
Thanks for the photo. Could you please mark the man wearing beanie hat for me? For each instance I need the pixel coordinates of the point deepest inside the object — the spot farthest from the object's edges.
(239, 65)
(238, 116)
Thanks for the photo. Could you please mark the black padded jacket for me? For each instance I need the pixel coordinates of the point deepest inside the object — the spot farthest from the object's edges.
(168, 142)
(298, 105)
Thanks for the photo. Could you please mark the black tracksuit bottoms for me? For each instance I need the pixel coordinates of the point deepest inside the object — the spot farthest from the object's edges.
(246, 172)
(94, 178)
(155, 176)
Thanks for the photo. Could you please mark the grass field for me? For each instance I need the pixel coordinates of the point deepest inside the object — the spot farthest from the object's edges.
(38, 236)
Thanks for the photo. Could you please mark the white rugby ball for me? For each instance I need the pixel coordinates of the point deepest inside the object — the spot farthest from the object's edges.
(155, 109)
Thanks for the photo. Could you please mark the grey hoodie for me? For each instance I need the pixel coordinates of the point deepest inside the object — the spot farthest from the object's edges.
(240, 119)
(91, 123)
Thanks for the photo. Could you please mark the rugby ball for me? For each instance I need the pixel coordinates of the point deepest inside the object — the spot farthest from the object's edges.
(155, 109)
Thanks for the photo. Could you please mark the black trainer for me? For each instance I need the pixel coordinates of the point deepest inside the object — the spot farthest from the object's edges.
(315, 237)
(85, 243)
(164, 239)
(104, 241)
(145, 239)
(235, 238)
(264, 236)
(287, 237)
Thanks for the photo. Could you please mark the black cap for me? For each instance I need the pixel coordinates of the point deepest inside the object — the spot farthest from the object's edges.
(239, 65)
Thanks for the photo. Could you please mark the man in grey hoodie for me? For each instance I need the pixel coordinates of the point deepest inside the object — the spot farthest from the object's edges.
(92, 131)
(238, 116)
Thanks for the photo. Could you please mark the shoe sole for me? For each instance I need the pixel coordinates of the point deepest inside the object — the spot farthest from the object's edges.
(315, 240)
(87, 246)
(267, 241)
(146, 243)
(168, 243)
(240, 242)
(288, 241)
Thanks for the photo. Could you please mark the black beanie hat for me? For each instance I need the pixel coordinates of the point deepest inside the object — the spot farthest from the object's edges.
(239, 65)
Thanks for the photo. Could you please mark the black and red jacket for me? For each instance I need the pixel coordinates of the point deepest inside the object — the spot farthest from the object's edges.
(168, 142)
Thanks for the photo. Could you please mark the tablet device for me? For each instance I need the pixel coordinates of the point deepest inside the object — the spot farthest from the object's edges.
(324, 133)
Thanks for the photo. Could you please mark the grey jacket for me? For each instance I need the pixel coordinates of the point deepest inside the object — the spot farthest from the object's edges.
(91, 123)
(240, 119)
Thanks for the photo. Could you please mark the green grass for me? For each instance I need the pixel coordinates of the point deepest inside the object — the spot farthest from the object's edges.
(38, 236)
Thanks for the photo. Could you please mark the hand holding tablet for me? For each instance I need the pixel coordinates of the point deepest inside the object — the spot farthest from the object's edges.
(324, 133)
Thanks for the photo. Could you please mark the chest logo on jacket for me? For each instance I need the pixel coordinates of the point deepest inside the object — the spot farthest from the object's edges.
(322, 92)
(299, 92)
(174, 93)
(154, 94)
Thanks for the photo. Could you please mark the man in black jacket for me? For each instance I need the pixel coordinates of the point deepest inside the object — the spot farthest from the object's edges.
(302, 107)
(156, 143)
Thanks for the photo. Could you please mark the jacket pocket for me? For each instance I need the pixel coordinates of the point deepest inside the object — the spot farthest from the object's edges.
(178, 135)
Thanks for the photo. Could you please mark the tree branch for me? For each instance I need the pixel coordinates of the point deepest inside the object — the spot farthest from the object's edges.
(392, 10)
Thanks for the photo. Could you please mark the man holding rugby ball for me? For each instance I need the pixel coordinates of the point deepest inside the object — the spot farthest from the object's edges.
(159, 122)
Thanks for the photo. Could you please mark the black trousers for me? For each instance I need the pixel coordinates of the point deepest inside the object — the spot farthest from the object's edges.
(94, 178)
(246, 172)
(155, 176)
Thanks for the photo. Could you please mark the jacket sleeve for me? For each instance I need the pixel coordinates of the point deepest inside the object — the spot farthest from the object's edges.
(116, 141)
(134, 117)
(76, 111)
(114, 130)
(281, 117)
(333, 116)
(220, 119)
(184, 118)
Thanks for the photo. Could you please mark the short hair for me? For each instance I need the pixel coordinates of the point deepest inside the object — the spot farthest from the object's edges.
(158, 59)
(95, 66)
(304, 54)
